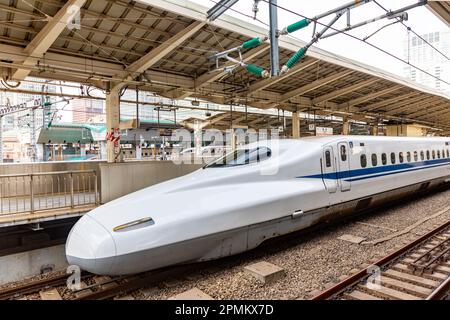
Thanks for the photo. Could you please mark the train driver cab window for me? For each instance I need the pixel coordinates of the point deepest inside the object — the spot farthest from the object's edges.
(241, 157)
(343, 153)
(428, 154)
(393, 160)
(363, 161)
(328, 158)
(416, 156)
(422, 155)
(408, 156)
(384, 159)
(374, 160)
(400, 157)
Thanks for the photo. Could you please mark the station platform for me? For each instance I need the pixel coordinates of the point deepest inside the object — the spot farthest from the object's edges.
(11, 220)
(42, 192)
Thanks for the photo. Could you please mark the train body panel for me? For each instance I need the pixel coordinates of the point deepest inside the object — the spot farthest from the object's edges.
(231, 207)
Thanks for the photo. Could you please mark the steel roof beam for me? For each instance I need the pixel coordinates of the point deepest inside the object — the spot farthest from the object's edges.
(48, 35)
(214, 75)
(427, 111)
(408, 104)
(368, 97)
(263, 84)
(163, 49)
(314, 85)
(392, 101)
(340, 92)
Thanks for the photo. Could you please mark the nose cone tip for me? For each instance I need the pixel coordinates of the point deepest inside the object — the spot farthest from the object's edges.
(90, 246)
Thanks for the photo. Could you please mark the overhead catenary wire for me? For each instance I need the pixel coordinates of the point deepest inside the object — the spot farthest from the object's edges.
(415, 33)
(362, 40)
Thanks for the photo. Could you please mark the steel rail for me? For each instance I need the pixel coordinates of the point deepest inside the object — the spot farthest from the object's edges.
(357, 277)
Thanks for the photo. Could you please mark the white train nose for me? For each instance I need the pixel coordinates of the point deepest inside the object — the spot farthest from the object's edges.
(91, 246)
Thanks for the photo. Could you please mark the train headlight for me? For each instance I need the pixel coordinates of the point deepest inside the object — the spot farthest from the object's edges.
(137, 224)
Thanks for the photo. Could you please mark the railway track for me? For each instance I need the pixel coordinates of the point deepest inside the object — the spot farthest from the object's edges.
(418, 271)
(92, 287)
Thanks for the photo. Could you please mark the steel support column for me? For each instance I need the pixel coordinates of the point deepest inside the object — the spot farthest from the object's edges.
(274, 48)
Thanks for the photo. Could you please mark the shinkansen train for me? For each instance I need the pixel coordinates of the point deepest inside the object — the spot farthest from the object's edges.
(254, 193)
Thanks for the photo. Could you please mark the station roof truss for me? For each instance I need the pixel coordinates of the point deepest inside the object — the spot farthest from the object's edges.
(164, 46)
(441, 9)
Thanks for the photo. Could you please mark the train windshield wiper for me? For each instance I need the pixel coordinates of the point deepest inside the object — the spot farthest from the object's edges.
(241, 157)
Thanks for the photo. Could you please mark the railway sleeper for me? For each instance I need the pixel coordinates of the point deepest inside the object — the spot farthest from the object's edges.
(410, 278)
(387, 293)
(406, 287)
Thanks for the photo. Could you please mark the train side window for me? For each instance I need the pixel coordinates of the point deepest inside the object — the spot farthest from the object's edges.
(422, 155)
(328, 158)
(443, 154)
(400, 157)
(384, 159)
(363, 161)
(439, 154)
(374, 160)
(448, 154)
(433, 154)
(416, 156)
(428, 154)
(393, 160)
(343, 153)
(408, 156)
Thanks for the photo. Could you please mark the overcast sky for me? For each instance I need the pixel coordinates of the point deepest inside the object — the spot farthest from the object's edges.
(391, 38)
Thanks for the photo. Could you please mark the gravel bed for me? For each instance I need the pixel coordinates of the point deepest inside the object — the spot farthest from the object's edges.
(311, 259)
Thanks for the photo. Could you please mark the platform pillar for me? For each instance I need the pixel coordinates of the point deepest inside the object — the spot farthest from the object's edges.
(375, 129)
(295, 125)
(345, 126)
(1, 139)
(113, 123)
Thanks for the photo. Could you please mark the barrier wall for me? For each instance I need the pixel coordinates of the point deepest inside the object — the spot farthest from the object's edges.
(118, 179)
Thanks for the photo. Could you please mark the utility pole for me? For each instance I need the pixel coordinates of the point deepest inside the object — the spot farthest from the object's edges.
(274, 49)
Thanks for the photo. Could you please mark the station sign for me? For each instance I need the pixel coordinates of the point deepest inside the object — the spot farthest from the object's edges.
(165, 132)
(324, 131)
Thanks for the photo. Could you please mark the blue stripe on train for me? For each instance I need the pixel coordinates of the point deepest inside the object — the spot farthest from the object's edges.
(375, 172)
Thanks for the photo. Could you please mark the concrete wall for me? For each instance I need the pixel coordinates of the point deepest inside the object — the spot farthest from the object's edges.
(114, 180)
(118, 179)
(19, 266)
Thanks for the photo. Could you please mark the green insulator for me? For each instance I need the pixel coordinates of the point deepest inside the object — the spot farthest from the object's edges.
(46, 104)
(296, 57)
(256, 70)
(252, 43)
(298, 25)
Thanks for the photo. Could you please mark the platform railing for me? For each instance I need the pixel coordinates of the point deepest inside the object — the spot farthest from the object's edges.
(28, 193)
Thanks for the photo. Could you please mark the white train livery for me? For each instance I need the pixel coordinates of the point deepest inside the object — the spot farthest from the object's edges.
(254, 193)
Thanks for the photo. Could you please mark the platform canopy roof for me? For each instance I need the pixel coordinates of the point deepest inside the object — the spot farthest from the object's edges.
(441, 9)
(163, 46)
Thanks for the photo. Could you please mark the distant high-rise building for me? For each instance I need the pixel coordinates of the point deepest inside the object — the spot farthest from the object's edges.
(422, 55)
(86, 110)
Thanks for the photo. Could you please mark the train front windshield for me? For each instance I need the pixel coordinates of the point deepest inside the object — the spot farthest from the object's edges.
(241, 157)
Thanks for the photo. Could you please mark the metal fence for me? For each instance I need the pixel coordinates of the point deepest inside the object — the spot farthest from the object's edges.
(27, 193)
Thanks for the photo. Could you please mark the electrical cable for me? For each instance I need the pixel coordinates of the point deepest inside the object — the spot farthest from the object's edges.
(410, 29)
(359, 39)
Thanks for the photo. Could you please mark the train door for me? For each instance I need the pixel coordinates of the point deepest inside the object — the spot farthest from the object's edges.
(344, 166)
(329, 170)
